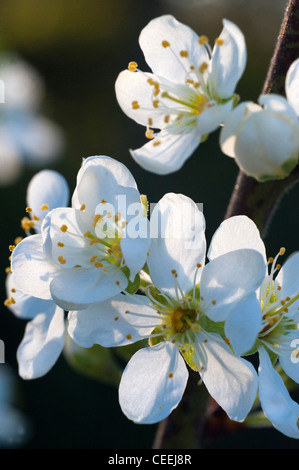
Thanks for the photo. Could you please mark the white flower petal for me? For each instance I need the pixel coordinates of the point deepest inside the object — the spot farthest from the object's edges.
(288, 278)
(97, 179)
(77, 288)
(228, 278)
(38, 139)
(278, 104)
(135, 97)
(275, 149)
(236, 233)
(228, 60)
(32, 272)
(292, 85)
(244, 324)
(116, 322)
(63, 236)
(25, 305)
(167, 61)
(290, 364)
(42, 343)
(47, 187)
(211, 118)
(177, 243)
(153, 383)
(276, 402)
(168, 151)
(228, 133)
(231, 381)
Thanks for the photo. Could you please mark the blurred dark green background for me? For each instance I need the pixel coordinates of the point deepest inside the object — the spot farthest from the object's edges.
(79, 47)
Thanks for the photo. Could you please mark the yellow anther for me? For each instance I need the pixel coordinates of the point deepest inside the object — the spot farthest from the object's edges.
(117, 283)
(166, 118)
(270, 260)
(155, 103)
(98, 264)
(150, 122)
(13, 290)
(278, 266)
(165, 43)
(227, 340)
(156, 90)
(150, 81)
(116, 218)
(214, 302)
(61, 260)
(8, 270)
(282, 251)
(203, 40)
(192, 67)
(18, 240)
(196, 85)
(116, 318)
(198, 265)
(170, 375)
(28, 209)
(11, 248)
(87, 234)
(184, 53)
(60, 244)
(93, 241)
(191, 82)
(9, 302)
(156, 142)
(279, 288)
(132, 66)
(83, 207)
(219, 41)
(149, 133)
(27, 224)
(282, 302)
(203, 67)
(96, 219)
(129, 336)
(64, 228)
(35, 217)
(103, 201)
(93, 258)
(135, 105)
(45, 207)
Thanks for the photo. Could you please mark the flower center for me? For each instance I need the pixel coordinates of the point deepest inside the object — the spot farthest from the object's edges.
(276, 311)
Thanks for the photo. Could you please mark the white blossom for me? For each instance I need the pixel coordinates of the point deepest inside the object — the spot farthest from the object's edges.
(188, 94)
(264, 138)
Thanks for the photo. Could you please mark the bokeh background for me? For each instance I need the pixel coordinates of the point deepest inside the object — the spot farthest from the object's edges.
(79, 47)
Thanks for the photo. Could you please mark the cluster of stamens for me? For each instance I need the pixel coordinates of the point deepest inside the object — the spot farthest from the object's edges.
(105, 237)
(190, 100)
(179, 318)
(277, 322)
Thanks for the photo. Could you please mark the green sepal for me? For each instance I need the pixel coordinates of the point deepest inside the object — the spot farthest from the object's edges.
(188, 356)
(156, 294)
(132, 286)
(96, 362)
(284, 171)
(156, 339)
(211, 326)
(126, 352)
